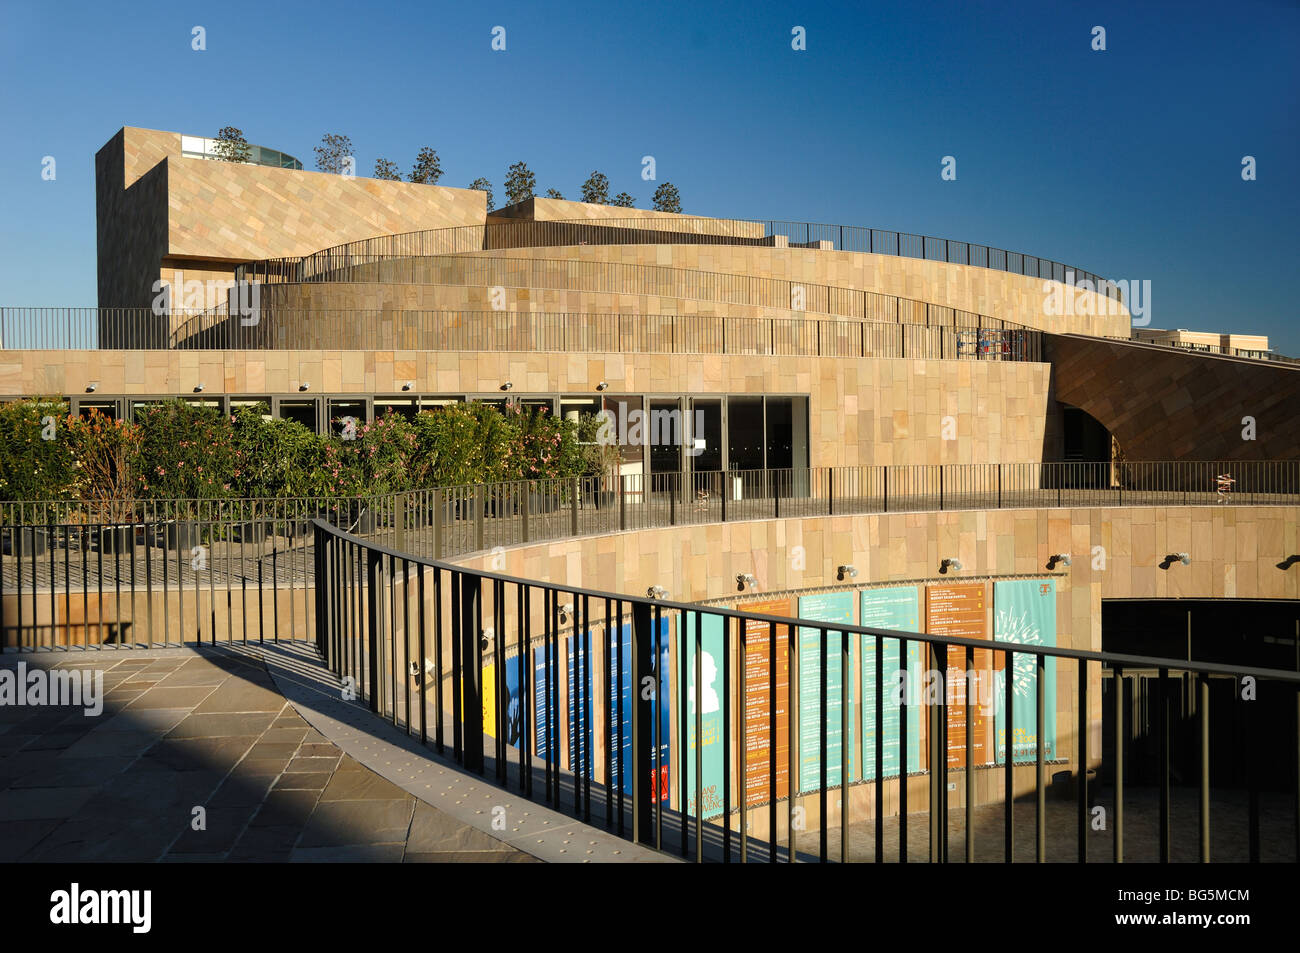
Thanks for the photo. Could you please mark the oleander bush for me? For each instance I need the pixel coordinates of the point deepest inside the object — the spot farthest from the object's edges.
(180, 451)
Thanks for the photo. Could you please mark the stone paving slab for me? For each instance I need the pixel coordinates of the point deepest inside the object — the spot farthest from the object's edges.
(184, 729)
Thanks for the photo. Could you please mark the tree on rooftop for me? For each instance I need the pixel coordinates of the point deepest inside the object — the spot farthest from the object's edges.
(232, 146)
(428, 170)
(596, 189)
(387, 170)
(333, 153)
(667, 199)
(520, 183)
(483, 185)
(622, 200)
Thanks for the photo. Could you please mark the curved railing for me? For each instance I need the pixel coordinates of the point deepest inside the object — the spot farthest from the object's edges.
(633, 230)
(535, 274)
(483, 666)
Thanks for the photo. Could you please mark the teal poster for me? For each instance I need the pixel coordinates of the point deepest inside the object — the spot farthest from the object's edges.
(823, 607)
(898, 608)
(1024, 611)
(706, 699)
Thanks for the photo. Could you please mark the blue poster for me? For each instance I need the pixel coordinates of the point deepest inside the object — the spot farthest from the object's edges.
(621, 703)
(579, 711)
(823, 607)
(1024, 611)
(898, 608)
(706, 699)
(542, 740)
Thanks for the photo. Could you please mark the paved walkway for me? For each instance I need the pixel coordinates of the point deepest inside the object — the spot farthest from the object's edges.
(199, 757)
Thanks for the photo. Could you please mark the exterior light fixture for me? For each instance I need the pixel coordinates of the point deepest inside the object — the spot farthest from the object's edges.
(1062, 558)
(408, 385)
(1184, 558)
(602, 385)
(303, 386)
(656, 592)
(744, 579)
(953, 564)
(92, 387)
(507, 385)
(566, 611)
(485, 636)
(198, 388)
(846, 572)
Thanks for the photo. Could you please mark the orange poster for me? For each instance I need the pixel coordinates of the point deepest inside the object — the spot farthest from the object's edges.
(758, 703)
(961, 611)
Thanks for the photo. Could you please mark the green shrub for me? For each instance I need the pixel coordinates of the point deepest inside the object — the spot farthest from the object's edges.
(273, 458)
(107, 452)
(36, 458)
(187, 453)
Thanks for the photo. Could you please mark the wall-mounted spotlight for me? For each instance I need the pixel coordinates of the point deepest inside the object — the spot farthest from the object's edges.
(953, 564)
(507, 385)
(1062, 558)
(602, 385)
(656, 592)
(304, 386)
(744, 579)
(485, 636)
(92, 387)
(566, 612)
(198, 388)
(1184, 558)
(408, 385)
(846, 572)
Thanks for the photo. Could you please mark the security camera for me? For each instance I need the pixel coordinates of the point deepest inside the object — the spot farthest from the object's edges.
(846, 571)
(601, 386)
(485, 637)
(744, 579)
(507, 385)
(953, 564)
(656, 592)
(566, 611)
(1062, 558)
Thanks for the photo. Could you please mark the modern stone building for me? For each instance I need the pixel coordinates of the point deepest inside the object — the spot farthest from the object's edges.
(791, 347)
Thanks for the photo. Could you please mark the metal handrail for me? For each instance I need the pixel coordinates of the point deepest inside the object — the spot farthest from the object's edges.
(669, 230)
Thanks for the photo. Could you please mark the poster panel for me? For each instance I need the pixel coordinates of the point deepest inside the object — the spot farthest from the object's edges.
(704, 702)
(822, 607)
(895, 607)
(1024, 611)
(960, 610)
(758, 704)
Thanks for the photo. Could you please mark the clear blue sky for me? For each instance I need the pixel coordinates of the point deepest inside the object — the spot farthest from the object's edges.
(1125, 162)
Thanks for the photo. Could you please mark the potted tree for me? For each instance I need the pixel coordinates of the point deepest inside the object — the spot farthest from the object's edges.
(601, 457)
(107, 453)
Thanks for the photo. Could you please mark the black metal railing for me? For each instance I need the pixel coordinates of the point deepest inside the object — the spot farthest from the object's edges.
(284, 329)
(681, 230)
(485, 667)
(150, 573)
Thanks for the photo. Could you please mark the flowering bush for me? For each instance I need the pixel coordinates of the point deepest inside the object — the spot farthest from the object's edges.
(543, 447)
(179, 451)
(107, 454)
(186, 453)
(375, 458)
